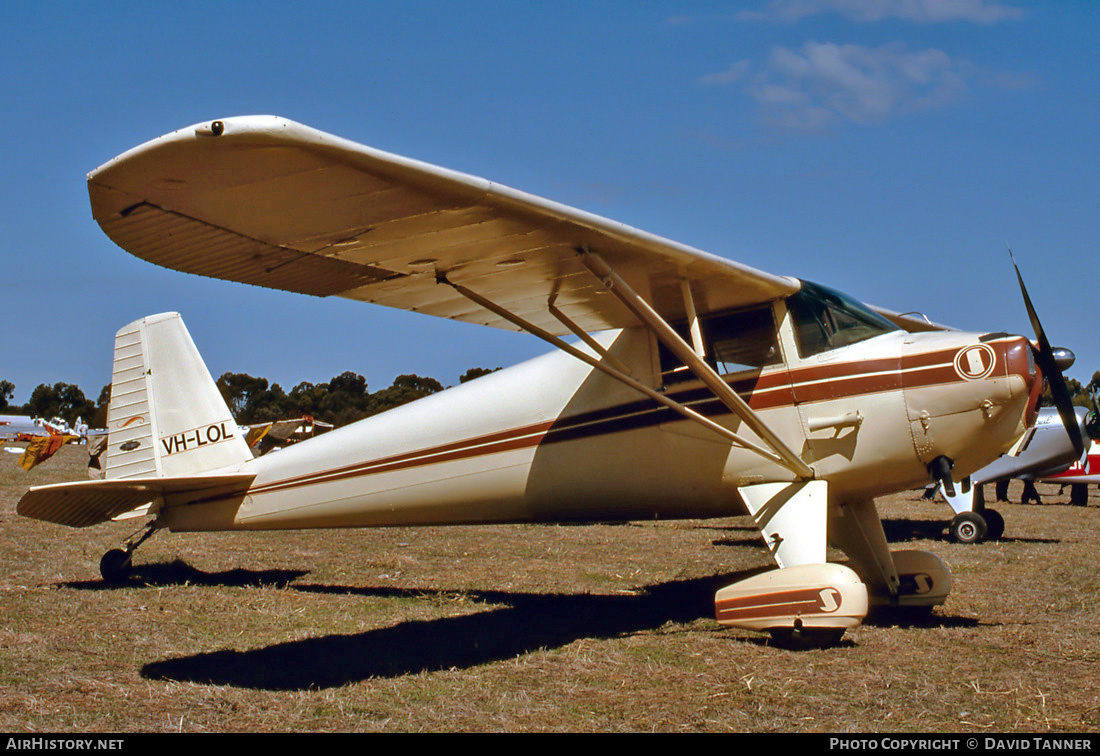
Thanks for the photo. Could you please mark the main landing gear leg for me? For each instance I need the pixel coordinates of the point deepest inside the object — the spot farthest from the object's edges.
(116, 564)
(807, 602)
(906, 583)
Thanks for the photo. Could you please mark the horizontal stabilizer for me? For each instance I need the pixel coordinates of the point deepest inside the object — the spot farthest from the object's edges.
(89, 502)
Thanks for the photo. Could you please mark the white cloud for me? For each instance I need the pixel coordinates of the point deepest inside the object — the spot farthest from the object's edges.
(824, 84)
(920, 11)
(733, 73)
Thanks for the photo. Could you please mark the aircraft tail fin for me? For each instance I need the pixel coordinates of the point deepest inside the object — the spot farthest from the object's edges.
(166, 417)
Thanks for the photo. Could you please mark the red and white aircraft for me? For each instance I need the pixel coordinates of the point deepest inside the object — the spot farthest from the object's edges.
(1079, 475)
(698, 387)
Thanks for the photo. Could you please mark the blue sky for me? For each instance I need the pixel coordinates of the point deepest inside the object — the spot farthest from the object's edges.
(889, 149)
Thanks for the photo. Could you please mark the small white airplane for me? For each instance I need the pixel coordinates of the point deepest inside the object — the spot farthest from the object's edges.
(698, 387)
(37, 426)
(13, 425)
(1044, 452)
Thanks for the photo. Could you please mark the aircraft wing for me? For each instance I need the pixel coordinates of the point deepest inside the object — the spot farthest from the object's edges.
(266, 201)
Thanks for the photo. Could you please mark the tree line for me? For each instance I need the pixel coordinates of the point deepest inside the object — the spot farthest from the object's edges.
(250, 399)
(341, 401)
(1086, 395)
(64, 400)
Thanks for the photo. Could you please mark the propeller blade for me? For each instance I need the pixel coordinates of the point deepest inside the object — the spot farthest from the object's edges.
(1045, 358)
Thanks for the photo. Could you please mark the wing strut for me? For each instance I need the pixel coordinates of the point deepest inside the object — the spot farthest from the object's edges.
(609, 370)
(693, 318)
(686, 354)
(781, 458)
(580, 333)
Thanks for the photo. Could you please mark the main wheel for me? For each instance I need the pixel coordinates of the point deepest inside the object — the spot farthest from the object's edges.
(995, 524)
(911, 615)
(968, 527)
(800, 638)
(115, 566)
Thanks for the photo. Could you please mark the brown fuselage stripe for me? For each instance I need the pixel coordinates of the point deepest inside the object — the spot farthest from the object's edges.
(416, 460)
(766, 391)
(487, 444)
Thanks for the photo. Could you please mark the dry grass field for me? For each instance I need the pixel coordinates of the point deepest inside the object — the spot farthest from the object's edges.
(527, 628)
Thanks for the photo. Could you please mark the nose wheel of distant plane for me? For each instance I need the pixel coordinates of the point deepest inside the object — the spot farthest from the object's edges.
(975, 527)
(968, 527)
(995, 523)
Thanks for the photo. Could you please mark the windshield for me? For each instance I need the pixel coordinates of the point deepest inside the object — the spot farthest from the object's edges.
(825, 319)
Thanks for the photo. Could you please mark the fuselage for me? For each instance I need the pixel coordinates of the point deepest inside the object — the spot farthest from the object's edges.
(553, 439)
(1078, 473)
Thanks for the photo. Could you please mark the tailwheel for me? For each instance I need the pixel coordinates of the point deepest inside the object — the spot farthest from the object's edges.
(995, 524)
(969, 527)
(115, 566)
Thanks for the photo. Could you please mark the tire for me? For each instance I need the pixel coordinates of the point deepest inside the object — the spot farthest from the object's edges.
(968, 527)
(995, 524)
(913, 615)
(800, 639)
(115, 566)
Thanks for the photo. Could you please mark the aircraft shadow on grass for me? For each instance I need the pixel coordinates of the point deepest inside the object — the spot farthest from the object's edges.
(525, 623)
(528, 622)
(180, 572)
(896, 530)
(900, 530)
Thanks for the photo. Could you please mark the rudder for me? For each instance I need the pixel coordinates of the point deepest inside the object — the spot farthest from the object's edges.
(166, 416)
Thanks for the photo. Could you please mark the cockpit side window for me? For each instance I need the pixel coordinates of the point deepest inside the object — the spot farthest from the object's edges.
(825, 319)
(734, 341)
